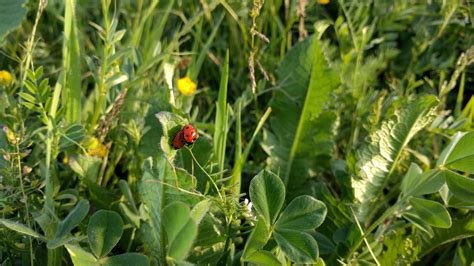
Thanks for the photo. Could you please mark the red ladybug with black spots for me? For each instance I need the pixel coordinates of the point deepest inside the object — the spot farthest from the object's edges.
(178, 141)
(190, 134)
(187, 135)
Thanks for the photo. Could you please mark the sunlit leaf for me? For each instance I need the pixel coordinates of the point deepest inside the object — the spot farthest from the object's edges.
(378, 159)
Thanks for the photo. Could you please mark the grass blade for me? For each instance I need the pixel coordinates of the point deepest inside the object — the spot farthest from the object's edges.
(221, 123)
(71, 64)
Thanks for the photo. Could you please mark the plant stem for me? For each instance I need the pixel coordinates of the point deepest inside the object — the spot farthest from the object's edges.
(25, 199)
(379, 221)
(211, 180)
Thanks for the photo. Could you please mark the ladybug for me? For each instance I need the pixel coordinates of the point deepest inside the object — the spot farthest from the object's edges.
(190, 134)
(178, 141)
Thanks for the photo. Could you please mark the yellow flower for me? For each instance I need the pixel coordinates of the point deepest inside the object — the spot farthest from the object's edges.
(6, 78)
(95, 148)
(186, 86)
(324, 2)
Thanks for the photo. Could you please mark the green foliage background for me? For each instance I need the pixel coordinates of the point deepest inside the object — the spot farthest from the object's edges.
(337, 133)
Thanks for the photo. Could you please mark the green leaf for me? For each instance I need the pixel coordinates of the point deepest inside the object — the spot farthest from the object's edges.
(432, 212)
(379, 158)
(11, 15)
(104, 231)
(258, 238)
(460, 229)
(411, 178)
(325, 245)
(415, 219)
(200, 210)
(180, 228)
(73, 135)
(416, 183)
(27, 97)
(20, 228)
(71, 65)
(303, 213)
(253, 251)
(86, 166)
(461, 186)
(299, 247)
(127, 259)
(170, 124)
(459, 154)
(222, 119)
(73, 219)
(267, 193)
(151, 193)
(300, 131)
(79, 256)
(263, 257)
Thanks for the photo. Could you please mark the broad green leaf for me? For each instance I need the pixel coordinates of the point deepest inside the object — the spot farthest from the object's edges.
(303, 213)
(180, 228)
(378, 159)
(73, 219)
(200, 210)
(325, 245)
(452, 201)
(298, 246)
(459, 154)
(104, 231)
(171, 124)
(461, 186)
(86, 166)
(127, 259)
(416, 183)
(267, 193)
(20, 228)
(253, 251)
(301, 131)
(460, 229)
(257, 239)
(80, 257)
(411, 178)
(11, 15)
(151, 192)
(432, 212)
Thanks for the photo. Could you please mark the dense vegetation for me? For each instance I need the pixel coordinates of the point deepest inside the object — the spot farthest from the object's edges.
(330, 132)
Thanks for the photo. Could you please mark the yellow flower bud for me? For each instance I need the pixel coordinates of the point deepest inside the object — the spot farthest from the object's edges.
(10, 135)
(186, 86)
(324, 2)
(6, 79)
